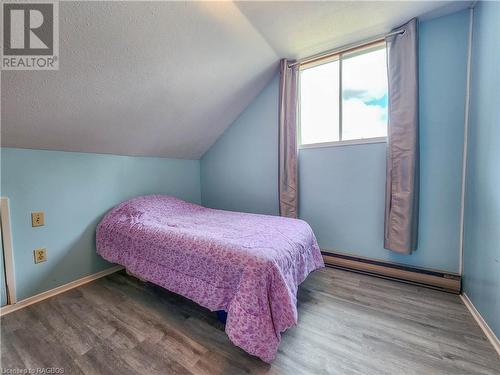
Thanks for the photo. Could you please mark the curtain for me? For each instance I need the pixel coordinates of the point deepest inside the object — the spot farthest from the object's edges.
(287, 175)
(402, 175)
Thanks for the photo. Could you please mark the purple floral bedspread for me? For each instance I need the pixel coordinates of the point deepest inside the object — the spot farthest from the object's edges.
(248, 265)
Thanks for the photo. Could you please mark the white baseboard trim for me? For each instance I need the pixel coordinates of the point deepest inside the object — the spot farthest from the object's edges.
(60, 289)
(482, 323)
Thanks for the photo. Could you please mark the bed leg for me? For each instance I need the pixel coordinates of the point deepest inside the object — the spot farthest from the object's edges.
(222, 316)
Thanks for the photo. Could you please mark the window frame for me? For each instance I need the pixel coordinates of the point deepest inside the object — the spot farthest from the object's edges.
(325, 60)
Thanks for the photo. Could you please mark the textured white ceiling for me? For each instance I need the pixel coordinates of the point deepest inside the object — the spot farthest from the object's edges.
(303, 28)
(167, 78)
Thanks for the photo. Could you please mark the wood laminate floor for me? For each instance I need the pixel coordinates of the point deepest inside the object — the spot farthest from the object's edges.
(348, 324)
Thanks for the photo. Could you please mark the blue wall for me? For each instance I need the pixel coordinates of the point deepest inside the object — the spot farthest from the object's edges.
(75, 190)
(482, 210)
(342, 188)
(239, 172)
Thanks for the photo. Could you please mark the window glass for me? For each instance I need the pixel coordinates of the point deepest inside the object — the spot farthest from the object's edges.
(319, 103)
(364, 95)
(363, 111)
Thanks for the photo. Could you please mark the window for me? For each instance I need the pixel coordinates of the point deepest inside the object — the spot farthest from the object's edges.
(343, 98)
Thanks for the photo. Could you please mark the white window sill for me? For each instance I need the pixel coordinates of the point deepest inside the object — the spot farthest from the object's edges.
(352, 142)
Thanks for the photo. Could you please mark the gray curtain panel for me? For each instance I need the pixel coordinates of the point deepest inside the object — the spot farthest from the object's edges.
(288, 152)
(402, 179)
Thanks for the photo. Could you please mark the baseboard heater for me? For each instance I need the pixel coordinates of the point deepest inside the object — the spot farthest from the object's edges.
(447, 282)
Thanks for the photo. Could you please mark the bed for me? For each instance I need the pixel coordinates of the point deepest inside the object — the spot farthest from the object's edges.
(245, 264)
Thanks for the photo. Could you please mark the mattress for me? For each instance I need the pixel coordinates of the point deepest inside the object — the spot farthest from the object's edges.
(246, 264)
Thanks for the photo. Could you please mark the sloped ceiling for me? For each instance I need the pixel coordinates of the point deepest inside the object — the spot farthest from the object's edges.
(300, 29)
(167, 78)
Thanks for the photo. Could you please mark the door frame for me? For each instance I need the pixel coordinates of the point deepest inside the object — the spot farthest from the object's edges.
(8, 251)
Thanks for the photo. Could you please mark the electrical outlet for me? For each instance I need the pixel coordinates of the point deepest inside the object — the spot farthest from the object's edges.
(40, 255)
(37, 219)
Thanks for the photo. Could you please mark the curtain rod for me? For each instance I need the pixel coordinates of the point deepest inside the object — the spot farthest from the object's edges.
(345, 48)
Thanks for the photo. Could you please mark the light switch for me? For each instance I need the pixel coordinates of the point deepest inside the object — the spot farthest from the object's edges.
(37, 219)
